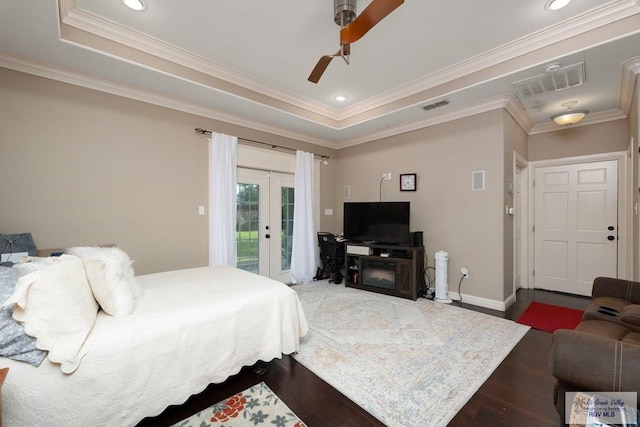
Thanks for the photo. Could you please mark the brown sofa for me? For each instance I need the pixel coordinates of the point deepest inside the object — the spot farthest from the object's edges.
(603, 352)
(615, 300)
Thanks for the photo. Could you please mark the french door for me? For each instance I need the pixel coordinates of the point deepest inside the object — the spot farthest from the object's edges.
(576, 225)
(264, 229)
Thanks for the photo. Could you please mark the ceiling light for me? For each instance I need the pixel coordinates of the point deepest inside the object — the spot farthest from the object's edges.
(134, 4)
(341, 98)
(570, 116)
(556, 4)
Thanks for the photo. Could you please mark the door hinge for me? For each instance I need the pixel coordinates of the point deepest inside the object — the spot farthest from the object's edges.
(533, 229)
(534, 273)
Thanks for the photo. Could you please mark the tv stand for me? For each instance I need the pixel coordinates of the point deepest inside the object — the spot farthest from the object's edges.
(395, 270)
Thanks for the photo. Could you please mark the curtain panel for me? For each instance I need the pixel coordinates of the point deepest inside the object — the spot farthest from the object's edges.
(304, 257)
(223, 180)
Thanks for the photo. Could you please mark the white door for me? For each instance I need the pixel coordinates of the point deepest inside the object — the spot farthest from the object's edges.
(265, 223)
(575, 225)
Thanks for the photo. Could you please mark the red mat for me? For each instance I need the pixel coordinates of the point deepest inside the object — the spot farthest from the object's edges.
(547, 317)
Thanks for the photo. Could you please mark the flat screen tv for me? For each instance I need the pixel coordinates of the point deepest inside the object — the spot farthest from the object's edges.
(379, 222)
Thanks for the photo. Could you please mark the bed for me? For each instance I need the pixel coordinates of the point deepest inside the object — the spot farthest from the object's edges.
(189, 328)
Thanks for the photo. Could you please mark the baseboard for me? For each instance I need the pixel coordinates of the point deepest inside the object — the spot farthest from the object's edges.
(483, 302)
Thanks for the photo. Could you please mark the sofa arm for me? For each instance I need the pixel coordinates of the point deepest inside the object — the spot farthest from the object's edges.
(617, 288)
(594, 363)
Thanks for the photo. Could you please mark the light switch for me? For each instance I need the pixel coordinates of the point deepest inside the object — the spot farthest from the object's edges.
(328, 212)
(201, 210)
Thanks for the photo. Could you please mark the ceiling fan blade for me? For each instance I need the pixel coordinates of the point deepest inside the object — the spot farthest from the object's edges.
(324, 62)
(370, 16)
(318, 70)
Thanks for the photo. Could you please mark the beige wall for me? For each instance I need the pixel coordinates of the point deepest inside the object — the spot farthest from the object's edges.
(454, 218)
(83, 167)
(580, 141)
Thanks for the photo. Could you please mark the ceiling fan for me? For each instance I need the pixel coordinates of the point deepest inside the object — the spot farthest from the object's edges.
(352, 28)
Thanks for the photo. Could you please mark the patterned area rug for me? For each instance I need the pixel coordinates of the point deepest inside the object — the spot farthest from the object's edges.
(408, 363)
(256, 406)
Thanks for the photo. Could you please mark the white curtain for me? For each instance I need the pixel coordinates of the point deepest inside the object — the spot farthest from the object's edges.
(223, 179)
(304, 258)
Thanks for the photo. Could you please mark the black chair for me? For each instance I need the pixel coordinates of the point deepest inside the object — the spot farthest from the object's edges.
(331, 256)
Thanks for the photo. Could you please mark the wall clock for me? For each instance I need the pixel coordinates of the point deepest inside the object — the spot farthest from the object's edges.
(408, 182)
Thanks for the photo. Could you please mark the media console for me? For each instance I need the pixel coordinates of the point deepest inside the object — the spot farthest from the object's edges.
(386, 269)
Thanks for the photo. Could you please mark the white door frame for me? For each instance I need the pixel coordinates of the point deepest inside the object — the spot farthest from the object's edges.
(519, 162)
(624, 225)
(251, 157)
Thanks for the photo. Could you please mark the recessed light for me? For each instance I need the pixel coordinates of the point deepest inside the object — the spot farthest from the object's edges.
(137, 5)
(556, 4)
(341, 98)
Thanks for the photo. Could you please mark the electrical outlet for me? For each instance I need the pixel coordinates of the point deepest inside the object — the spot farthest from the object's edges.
(388, 176)
(465, 272)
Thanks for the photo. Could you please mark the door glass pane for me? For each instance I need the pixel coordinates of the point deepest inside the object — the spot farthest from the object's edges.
(248, 227)
(287, 227)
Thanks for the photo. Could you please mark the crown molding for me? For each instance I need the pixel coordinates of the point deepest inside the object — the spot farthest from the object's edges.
(70, 15)
(630, 70)
(579, 24)
(509, 103)
(85, 21)
(519, 113)
(41, 69)
(500, 102)
(606, 14)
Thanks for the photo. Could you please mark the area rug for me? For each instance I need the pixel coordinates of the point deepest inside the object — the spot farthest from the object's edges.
(547, 317)
(255, 406)
(407, 363)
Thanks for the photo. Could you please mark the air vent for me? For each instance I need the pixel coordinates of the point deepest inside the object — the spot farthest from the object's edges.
(436, 105)
(563, 78)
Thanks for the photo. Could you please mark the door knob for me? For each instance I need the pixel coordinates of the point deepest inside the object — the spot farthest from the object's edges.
(610, 237)
(611, 228)
(269, 235)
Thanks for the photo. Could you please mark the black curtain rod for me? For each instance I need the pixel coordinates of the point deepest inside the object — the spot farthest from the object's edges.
(273, 146)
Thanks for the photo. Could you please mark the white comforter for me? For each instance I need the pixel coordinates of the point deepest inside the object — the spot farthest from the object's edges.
(190, 328)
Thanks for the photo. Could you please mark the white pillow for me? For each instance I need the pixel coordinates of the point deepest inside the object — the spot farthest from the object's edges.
(110, 274)
(57, 307)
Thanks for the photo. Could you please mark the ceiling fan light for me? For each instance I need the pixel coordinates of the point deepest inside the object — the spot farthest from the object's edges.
(569, 117)
(556, 4)
(137, 5)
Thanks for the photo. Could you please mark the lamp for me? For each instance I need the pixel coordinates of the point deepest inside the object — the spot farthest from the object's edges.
(570, 116)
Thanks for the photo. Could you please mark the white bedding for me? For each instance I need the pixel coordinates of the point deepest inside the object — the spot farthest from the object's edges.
(190, 328)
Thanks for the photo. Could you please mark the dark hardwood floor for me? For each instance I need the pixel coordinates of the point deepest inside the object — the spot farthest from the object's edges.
(518, 393)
